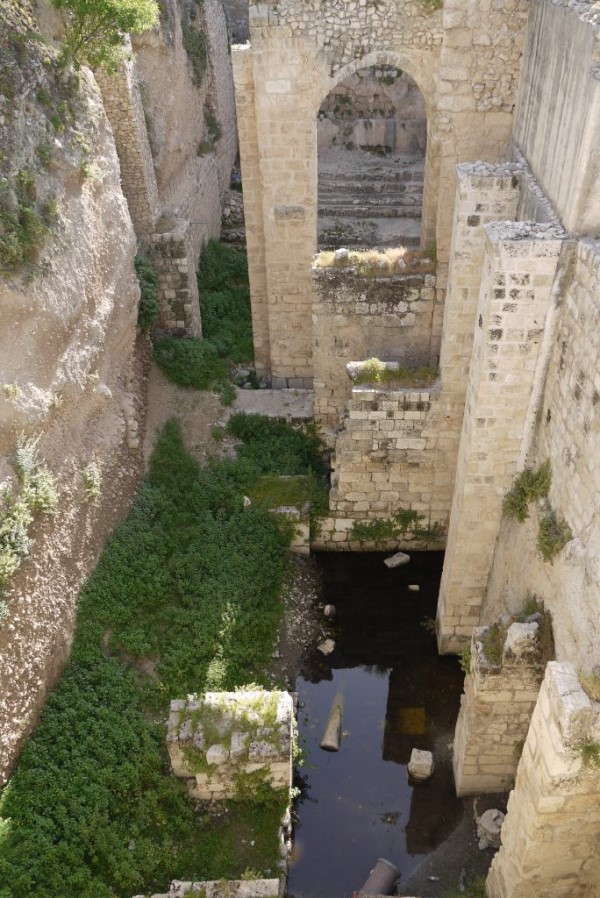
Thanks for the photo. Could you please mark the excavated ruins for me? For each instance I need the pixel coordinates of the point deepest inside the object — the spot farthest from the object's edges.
(421, 212)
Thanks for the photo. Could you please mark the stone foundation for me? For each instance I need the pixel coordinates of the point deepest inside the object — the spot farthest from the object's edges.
(384, 456)
(495, 711)
(173, 258)
(551, 834)
(218, 740)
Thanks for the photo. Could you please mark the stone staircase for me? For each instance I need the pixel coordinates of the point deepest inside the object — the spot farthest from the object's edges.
(372, 202)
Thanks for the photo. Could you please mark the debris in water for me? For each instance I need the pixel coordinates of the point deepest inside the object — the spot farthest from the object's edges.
(333, 729)
(421, 766)
(329, 612)
(413, 587)
(397, 560)
(326, 647)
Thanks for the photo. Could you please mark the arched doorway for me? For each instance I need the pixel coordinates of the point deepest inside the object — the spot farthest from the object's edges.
(372, 140)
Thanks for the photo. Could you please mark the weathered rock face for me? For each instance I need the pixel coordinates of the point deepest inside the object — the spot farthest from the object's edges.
(68, 315)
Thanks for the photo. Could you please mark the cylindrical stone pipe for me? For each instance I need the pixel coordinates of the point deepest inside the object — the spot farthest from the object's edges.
(382, 879)
(333, 729)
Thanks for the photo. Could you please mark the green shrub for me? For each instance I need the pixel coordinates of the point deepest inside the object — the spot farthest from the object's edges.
(225, 301)
(274, 447)
(189, 363)
(553, 535)
(529, 486)
(96, 31)
(148, 309)
(23, 226)
(189, 581)
(194, 42)
(404, 521)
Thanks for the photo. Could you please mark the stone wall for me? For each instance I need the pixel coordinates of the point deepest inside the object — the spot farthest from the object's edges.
(496, 709)
(558, 117)
(467, 76)
(551, 834)
(172, 255)
(175, 170)
(354, 318)
(123, 106)
(507, 367)
(385, 456)
(567, 434)
(218, 740)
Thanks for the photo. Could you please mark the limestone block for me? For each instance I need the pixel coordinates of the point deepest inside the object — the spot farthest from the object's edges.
(421, 765)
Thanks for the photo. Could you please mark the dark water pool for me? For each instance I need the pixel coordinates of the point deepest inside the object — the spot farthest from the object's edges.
(357, 804)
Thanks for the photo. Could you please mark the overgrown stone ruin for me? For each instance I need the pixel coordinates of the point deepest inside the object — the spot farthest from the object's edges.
(467, 133)
(223, 743)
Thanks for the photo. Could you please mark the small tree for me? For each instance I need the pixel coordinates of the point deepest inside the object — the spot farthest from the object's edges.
(97, 29)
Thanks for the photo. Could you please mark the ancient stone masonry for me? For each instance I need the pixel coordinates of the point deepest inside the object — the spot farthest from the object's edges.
(172, 254)
(218, 740)
(516, 295)
(559, 108)
(123, 106)
(355, 318)
(496, 708)
(311, 49)
(384, 458)
(567, 435)
(550, 835)
(176, 143)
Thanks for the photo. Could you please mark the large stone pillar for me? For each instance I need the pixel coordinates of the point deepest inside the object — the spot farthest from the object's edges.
(551, 835)
(516, 294)
(496, 708)
(484, 193)
(243, 75)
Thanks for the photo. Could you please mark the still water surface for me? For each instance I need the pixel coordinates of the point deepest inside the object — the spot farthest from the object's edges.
(397, 693)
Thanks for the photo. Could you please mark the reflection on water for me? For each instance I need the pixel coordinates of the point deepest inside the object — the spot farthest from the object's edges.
(357, 804)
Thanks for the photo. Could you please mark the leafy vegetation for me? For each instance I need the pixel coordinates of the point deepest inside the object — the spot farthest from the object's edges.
(36, 493)
(96, 32)
(189, 363)
(148, 309)
(226, 322)
(24, 222)
(465, 659)
(184, 599)
(225, 301)
(589, 752)
(92, 481)
(534, 605)
(493, 642)
(529, 486)
(194, 42)
(273, 447)
(404, 521)
(553, 535)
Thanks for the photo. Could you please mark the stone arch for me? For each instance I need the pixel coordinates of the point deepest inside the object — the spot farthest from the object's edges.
(425, 79)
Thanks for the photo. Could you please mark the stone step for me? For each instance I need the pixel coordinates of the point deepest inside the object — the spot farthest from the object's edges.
(373, 211)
